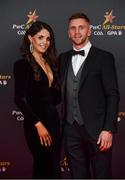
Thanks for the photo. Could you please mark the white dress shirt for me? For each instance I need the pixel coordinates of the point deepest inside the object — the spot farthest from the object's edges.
(78, 59)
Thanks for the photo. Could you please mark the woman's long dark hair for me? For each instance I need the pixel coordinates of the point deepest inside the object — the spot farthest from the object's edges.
(50, 55)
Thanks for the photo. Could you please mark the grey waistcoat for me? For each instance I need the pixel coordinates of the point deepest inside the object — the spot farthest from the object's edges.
(72, 107)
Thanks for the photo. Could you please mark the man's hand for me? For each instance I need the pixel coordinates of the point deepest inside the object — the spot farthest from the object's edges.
(44, 135)
(105, 140)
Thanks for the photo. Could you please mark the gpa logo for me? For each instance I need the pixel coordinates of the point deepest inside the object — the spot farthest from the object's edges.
(108, 27)
(21, 28)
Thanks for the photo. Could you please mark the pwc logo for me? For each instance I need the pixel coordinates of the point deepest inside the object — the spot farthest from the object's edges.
(21, 28)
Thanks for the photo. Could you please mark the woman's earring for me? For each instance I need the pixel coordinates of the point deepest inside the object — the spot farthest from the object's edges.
(31, 47)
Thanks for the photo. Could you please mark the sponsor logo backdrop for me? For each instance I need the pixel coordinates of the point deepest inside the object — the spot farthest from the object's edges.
(108, 26)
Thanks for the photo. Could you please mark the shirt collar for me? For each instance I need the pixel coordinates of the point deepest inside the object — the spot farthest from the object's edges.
(86, 48)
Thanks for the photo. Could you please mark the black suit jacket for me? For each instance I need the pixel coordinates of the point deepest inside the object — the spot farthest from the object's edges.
(98, 94)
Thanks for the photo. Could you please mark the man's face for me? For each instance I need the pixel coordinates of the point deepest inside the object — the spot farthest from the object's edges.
(79, 32)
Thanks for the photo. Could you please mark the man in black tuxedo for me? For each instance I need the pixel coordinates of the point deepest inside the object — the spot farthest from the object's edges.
(90, 99)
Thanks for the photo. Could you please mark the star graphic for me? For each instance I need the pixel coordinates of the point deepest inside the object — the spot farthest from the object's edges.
(32, 17)
(109, 17)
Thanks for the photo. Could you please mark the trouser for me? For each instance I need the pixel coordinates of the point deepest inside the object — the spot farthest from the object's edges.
(85, 159)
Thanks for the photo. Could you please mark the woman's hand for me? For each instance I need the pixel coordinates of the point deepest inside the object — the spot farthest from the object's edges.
(45, 137)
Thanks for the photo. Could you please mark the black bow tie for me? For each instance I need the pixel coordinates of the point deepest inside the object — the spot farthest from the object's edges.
(82, 52)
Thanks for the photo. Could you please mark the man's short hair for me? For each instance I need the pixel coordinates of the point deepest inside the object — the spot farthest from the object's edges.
(79, 15)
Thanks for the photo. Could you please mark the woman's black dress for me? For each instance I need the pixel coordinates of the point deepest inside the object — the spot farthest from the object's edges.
(37, 101)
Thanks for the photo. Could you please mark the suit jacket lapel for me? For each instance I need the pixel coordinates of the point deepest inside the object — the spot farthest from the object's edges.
(67, 60)
(88, 65)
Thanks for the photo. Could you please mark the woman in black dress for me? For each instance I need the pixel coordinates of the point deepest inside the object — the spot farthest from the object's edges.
(36, 95)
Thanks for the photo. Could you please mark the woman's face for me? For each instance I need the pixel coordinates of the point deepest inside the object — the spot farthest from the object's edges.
(40, 41)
